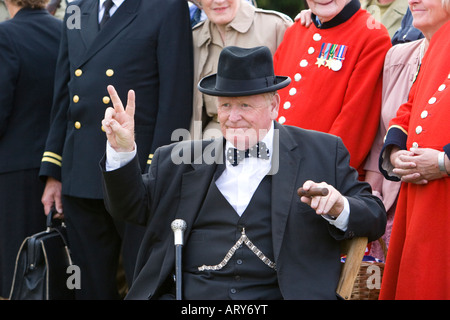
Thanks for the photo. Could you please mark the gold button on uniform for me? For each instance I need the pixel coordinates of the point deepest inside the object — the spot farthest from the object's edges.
(76, 98)
(78, 72)
(106, 99)
(77, 125)
(110, 72)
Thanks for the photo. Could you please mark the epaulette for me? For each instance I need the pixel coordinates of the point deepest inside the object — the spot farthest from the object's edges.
(280, 14)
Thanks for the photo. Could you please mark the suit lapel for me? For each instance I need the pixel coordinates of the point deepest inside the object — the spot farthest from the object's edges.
(193, 191)
(284, 191)
(194, 186)
(284, 188)
(89, 24)
(95, 41)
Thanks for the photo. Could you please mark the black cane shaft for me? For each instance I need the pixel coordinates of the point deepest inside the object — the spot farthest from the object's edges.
(178, 271)
(312, 192)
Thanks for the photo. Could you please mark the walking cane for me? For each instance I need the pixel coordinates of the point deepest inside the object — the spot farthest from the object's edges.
(178, 227)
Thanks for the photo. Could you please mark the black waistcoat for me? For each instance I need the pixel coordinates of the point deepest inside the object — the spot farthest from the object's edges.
(215, 231)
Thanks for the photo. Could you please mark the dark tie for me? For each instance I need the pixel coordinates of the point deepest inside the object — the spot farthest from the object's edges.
(107, 5)
(234, 156)
(197, 16)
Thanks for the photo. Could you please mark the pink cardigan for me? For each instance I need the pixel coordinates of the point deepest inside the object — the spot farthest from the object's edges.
(400, 68)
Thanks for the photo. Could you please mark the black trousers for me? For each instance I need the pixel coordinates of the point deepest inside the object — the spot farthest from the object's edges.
(21, 215)
(96, 242)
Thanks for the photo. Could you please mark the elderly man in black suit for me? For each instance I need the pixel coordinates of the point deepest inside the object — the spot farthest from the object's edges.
(29, 44)
(141, 44)
(249, 235)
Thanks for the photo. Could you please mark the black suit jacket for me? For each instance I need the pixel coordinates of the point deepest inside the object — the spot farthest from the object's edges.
(145, 46)
(306, 246)
(28, 50)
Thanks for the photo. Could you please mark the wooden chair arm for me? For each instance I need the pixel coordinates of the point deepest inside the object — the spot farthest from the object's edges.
(354, 249)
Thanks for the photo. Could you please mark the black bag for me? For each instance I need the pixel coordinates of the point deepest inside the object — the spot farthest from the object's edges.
(41, 265)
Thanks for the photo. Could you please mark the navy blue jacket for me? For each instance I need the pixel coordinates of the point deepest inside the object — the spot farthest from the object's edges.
(145, 46)
(28, 51)
(306, 247)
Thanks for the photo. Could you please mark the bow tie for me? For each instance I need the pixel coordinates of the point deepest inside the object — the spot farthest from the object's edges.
(234, 156)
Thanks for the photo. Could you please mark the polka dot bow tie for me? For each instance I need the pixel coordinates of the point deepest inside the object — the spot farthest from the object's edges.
(234, 156)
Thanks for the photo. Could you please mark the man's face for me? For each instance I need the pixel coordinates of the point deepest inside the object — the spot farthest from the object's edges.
(326, 10)
(245, 120)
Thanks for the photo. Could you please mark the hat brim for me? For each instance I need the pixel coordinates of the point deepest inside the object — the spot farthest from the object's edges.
(208, 86)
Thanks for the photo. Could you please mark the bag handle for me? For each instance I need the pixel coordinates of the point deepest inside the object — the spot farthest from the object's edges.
(51, 221)
(55, 224)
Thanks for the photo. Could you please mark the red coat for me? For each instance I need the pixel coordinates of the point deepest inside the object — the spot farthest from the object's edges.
(418, 261)
(347, 102)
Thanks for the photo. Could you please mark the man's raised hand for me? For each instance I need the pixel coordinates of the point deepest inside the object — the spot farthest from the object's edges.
(119, 122)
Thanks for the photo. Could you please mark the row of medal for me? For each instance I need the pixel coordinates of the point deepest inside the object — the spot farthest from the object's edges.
(331, 56)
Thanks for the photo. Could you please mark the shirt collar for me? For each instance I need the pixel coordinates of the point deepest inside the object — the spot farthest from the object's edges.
(349, 10)
(244, 18)
(117, 3)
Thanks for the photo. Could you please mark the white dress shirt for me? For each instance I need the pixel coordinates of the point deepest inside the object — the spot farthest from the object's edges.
(101, 8)
(237, 183)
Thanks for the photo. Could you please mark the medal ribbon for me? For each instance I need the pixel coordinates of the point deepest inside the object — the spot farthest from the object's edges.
(341, 52)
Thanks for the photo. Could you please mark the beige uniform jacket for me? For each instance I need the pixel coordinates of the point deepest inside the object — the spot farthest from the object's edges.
(250, 28)
(391, 18)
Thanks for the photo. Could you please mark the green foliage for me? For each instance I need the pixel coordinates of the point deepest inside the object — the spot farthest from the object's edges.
(289, 7)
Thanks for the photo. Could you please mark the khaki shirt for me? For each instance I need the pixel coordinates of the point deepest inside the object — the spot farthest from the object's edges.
(251, 27)
(389, 15)
(4, 14)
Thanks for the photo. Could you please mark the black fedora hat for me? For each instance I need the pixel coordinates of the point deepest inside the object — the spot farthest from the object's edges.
(243, 72)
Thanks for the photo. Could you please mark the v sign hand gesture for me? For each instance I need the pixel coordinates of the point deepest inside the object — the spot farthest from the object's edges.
(119, 122)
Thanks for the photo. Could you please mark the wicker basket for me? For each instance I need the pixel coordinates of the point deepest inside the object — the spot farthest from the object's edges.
(367, 286)
(368, 281)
